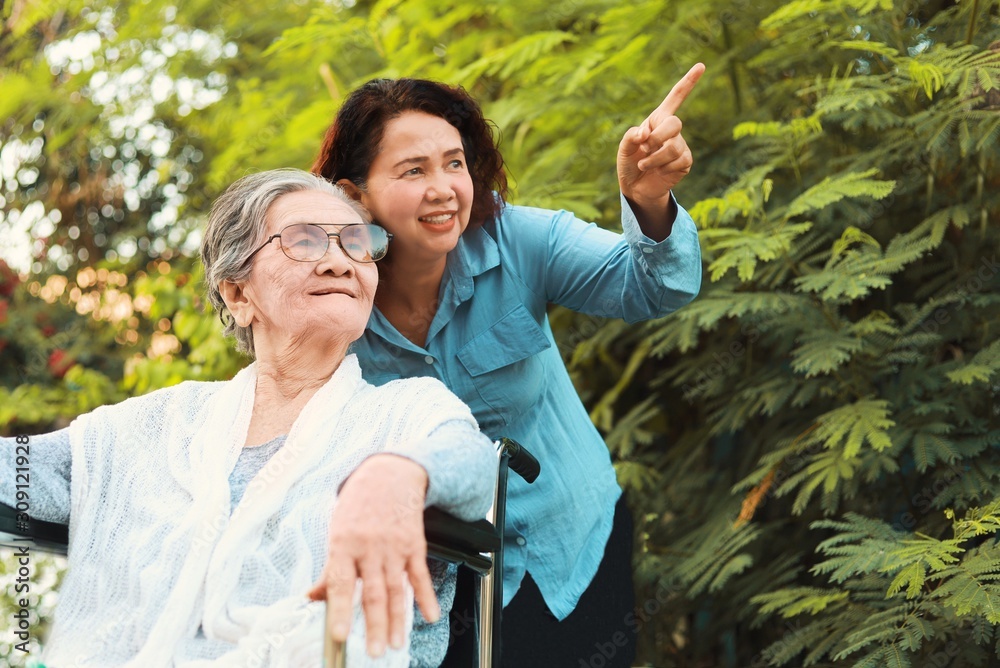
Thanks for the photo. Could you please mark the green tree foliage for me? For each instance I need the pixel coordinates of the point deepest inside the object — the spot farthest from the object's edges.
(810, 446)
(840, 361)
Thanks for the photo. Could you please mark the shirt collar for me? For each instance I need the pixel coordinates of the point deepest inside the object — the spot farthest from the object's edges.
(475, 254)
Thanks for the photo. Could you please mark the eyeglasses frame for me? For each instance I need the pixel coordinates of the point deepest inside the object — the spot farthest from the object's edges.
(329, 235)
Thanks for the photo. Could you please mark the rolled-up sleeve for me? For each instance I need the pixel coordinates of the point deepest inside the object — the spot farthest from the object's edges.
(675, 261)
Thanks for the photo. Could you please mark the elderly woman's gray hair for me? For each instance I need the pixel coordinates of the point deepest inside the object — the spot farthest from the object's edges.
(237, 224)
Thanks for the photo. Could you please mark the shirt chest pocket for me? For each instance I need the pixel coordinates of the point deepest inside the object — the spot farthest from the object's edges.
(505, 366)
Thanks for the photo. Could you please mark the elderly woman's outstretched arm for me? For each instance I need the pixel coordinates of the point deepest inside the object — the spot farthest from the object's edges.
(459, 477)
(39, 470)
(377, 531)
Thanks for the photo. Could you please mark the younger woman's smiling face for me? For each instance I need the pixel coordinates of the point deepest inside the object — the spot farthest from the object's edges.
(419, 187)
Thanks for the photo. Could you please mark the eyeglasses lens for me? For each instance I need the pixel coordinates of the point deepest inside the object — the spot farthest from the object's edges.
(364, 243)
(361, 243)
(304, 242)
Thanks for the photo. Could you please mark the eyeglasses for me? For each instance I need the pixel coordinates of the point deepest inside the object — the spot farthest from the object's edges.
(307, 242)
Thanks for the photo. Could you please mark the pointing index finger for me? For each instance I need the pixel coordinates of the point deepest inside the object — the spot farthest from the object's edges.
(672, 102)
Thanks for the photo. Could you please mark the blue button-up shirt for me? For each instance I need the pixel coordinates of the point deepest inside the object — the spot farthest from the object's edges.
(490, 342)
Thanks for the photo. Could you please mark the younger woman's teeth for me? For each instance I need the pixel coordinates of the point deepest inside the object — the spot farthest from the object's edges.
(436, 219)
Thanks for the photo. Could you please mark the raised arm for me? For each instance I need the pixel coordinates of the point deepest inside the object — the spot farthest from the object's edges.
(653, 267)
(583, 267)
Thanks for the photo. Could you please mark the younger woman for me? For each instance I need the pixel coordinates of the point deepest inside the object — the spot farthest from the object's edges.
(463, 297)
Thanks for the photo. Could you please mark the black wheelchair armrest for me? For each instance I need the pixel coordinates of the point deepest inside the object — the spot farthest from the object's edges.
(448, 537)
(475, 536)
(47, 536)
(460, 542)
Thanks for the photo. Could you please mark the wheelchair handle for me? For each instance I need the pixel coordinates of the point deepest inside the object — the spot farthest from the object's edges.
(520, 460)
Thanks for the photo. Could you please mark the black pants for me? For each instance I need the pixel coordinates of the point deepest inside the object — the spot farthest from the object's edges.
(597, 634)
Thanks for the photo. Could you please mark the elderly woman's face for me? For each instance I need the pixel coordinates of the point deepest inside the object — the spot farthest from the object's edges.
(330, 298)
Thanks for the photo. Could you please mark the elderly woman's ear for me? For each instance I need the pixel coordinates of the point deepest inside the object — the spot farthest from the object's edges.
(350, 188)
(237, 302)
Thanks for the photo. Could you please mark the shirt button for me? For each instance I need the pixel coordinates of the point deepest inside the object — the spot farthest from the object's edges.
(647, 250)
(520, 541)
(429, 359)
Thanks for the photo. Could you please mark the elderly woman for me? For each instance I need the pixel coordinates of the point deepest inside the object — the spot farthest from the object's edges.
(199, 513)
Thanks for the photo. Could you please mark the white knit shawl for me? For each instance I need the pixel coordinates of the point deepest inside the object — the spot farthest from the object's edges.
(154, 552)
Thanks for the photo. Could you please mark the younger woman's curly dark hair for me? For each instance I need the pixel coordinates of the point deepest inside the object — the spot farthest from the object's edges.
(353, 140)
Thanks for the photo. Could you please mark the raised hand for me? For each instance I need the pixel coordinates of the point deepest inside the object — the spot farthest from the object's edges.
(653, 157)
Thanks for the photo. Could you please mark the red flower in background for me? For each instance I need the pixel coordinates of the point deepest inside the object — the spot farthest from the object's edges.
(3, 311)
(60, 363)
(9, 280)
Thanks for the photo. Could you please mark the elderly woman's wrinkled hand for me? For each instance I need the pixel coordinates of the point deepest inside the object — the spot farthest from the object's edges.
(377, 534)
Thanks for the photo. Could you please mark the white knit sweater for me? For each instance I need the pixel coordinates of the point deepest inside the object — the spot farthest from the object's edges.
(154, 552)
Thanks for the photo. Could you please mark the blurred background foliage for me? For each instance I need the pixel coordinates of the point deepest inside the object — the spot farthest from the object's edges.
(811, 447)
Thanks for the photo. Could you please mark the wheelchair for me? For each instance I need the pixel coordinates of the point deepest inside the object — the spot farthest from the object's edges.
(476, 547)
